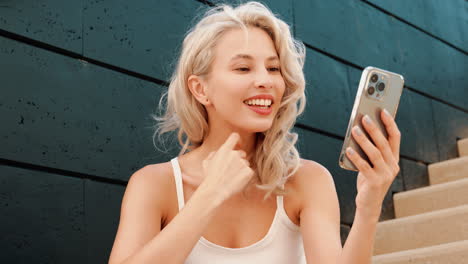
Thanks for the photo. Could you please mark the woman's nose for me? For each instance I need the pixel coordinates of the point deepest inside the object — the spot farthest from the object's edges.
(263, 79)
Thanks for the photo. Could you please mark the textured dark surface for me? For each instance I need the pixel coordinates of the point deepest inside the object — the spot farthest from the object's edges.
(81, 118)
(329, 101)
(102, 202)
(415, 174)
(447, 21)
(366, 36)
(49, 21)
(76, 129)
(416, 123)
(451, 125)
(282, 8)
(344, 232)
(42, 217)
(143, 37)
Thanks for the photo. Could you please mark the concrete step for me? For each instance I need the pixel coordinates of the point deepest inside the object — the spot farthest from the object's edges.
(462, 147)
(449, 170)
(431, 198)
(423, 230)
(449, 253)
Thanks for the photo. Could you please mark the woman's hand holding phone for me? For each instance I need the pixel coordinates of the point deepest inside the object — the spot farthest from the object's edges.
(374, 181)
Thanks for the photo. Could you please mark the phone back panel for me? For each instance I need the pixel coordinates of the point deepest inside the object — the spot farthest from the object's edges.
(364, 104)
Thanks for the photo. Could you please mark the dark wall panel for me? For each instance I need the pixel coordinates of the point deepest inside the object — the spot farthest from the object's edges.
(102, 203)
(368, 37)
(414, 174)
(81, 118)
(344, 232)
(62, 113)
(451, 125)
(145, 38)
(416, 124)
(283, 8)
(42, 217)
(140, 37)
(49, 21)
(447, 20)
(329, 101)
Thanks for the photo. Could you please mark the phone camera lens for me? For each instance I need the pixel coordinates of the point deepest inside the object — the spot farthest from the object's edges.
(371, 90)
(374, 78)
(381, 86)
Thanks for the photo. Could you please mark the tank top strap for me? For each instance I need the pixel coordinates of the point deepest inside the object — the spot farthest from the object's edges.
(178, 182)
(279, 202)
(283, 215)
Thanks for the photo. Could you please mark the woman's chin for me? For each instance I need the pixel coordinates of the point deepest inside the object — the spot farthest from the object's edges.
(258, 127)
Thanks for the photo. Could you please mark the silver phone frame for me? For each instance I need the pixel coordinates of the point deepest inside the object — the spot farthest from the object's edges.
(357, 103)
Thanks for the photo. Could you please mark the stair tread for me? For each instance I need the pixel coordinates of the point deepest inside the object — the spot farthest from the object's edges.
(448, 170)
(457, 246)
(426, 229)
(430, 188)
(449, 161)
(431, 198)
(426, 215)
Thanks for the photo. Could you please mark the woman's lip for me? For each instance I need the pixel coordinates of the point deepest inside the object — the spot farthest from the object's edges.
(260, 111)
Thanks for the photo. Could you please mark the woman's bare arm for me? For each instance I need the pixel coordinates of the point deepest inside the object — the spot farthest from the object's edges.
(139, 238)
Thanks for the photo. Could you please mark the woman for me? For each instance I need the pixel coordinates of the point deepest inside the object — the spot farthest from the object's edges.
(242, 194)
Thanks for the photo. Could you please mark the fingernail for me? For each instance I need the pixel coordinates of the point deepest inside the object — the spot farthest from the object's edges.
(357, 130)
(367, 119)
(387, 113)
(350, 150)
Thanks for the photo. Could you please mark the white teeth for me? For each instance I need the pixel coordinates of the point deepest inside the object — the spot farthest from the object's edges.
(263, 102)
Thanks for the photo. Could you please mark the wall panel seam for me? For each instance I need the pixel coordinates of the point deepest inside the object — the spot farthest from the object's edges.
(414, 26)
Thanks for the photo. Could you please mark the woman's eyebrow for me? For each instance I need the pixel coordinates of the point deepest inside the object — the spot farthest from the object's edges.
(248, 57)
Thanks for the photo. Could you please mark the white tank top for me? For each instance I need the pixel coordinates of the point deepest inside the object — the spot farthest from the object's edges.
(282, 243)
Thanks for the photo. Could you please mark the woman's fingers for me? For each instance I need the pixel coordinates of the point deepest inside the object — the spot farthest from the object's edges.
(379, 139)
(368, 147)
(394, 134)
(358, 161)
(230, 143)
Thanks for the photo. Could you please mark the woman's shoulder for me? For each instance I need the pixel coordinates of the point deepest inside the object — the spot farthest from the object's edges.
(309, 170)
(153, 182)
(158, 173)
(309, 176)
(311, 182)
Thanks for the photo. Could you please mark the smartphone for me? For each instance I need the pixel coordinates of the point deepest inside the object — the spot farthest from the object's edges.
(378, 89)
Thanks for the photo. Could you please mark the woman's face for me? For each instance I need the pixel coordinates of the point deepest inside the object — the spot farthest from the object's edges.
(241, 70)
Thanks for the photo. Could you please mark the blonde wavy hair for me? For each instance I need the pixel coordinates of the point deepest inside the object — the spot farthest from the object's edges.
(276, 157)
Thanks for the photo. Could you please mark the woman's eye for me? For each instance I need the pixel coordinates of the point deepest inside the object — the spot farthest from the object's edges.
(247, 69)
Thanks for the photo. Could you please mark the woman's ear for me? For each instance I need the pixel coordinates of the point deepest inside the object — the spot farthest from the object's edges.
(198, 89)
